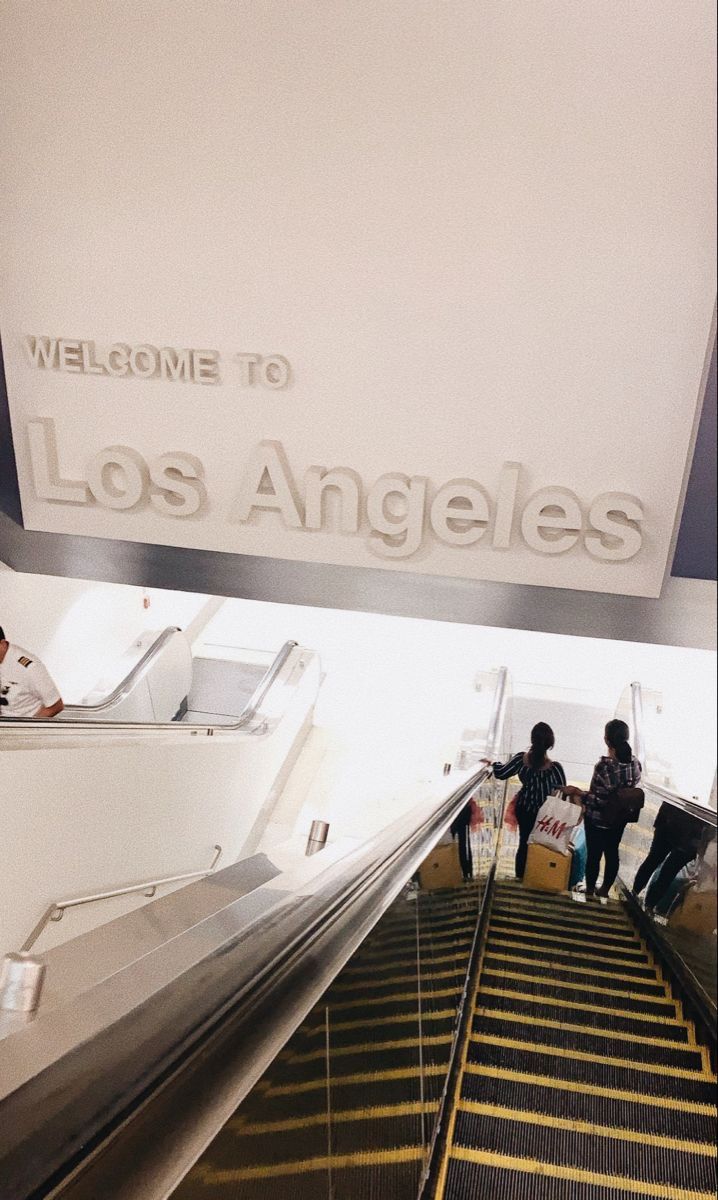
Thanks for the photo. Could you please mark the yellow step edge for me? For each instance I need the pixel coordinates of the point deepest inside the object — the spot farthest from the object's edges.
(580, 1006)
(438, 944)
(621, 1183)
(433, 1039)
(441, 1014)
(587, 1127)
(241, 1125)
(605, 1060)
(547, 1023)
(629, 936)
(216, 1176)
(581, 986)
(560, 966)
(432, 994)
(586, 954)
(435, 961)
(579, 943)
(565, 907)
(311, 1085)
(391, 980)
(592, 1089)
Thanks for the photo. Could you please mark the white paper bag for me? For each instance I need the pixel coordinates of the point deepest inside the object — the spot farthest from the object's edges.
(555, 822)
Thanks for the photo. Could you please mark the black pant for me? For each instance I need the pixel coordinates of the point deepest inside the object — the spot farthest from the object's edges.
(602, 843)
(673, 858)
(462, 833)
(526, 821)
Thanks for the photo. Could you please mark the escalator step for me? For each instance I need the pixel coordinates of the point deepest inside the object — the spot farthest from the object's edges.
(562, 938)
(355, 1175)
(394, 1002)
(391, 978)
(529, 963)
(347, 1060)
(545, 986)
(579, 1012)
(582, 1068)
(527, 1095)
(509, 915)
(604, 960)
(504, 1178)
(476, 1074)
(623, 1156)
(605, 1043)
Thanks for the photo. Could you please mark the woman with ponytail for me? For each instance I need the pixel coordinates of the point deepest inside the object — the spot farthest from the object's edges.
(539, 776)
(617, 769)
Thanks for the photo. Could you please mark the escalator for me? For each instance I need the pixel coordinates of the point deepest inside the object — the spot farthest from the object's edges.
(316, 1026)
(577, 1077)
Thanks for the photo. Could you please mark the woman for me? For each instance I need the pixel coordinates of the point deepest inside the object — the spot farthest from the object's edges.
(539, 776)
(617, 769)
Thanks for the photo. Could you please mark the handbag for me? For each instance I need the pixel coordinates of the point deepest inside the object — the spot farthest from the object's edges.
(623, 806)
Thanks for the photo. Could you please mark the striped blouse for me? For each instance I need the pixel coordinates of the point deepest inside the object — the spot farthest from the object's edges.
(535, 785)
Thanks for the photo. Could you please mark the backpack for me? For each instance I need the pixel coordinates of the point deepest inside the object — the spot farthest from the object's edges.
(623, 806)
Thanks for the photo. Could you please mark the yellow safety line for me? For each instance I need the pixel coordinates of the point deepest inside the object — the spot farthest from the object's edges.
(628, 936)
(559, 937)
(436, 961)
(559, 966)
(214, 1176)
(592, 1089)
(341, 1116)
(622, 1183)
(441, 1014)
(587, 954)
(433, 1039)
(490, 1039)
(581, 987)
(432, 993)
(443, 943)
(460, 928)
(500, 1014)
(580, 1006)
(311, 1085)
(575, 1126)
(395, 979)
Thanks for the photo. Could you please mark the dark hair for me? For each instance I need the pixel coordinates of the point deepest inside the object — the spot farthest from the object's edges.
(617, 738)
(542, 739)
(2, 634)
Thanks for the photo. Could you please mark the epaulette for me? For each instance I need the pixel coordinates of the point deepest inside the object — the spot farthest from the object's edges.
(25, 662)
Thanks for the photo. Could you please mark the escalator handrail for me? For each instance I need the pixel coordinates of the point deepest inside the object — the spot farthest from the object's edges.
(693, 807)
(249, 714)
(129, 683)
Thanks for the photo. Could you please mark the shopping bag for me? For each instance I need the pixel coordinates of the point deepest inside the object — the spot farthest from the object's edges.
(555, 823)
(477, 815)
(510, 818)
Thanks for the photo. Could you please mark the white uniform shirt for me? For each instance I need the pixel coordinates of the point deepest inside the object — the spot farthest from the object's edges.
(25, 684)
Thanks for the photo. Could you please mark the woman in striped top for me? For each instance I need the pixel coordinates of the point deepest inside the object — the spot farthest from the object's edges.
(539, 776)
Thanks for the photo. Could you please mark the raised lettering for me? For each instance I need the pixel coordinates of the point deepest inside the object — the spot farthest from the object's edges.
(268, 484)
(178, 489)
(118, 477)
(342, 480)
(460, 512)
(396, 535)
(616, 535)
(44, 462)
(41, 351)
(551, 521)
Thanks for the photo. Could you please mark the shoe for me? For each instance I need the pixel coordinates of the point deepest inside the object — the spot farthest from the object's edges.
(578, 897)
(602, 899)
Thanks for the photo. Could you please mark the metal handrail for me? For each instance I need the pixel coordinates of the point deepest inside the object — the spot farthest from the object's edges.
(56, 911)
(248, 714)
(695, 809)
(129, 683)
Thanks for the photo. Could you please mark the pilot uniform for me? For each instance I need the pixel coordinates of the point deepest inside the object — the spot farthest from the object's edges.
(25, 684)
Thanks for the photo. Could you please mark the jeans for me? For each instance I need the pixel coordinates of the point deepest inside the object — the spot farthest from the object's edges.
(602, 843)
(526, 821)
(673, 860)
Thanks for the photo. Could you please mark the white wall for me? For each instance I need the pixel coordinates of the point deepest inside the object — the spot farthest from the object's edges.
(82, 630)
(95, 817)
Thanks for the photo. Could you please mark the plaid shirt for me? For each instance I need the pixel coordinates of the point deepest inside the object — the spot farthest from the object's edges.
(609, 774)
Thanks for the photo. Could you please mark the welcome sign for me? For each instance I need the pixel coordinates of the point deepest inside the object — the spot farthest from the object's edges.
(418, 292)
